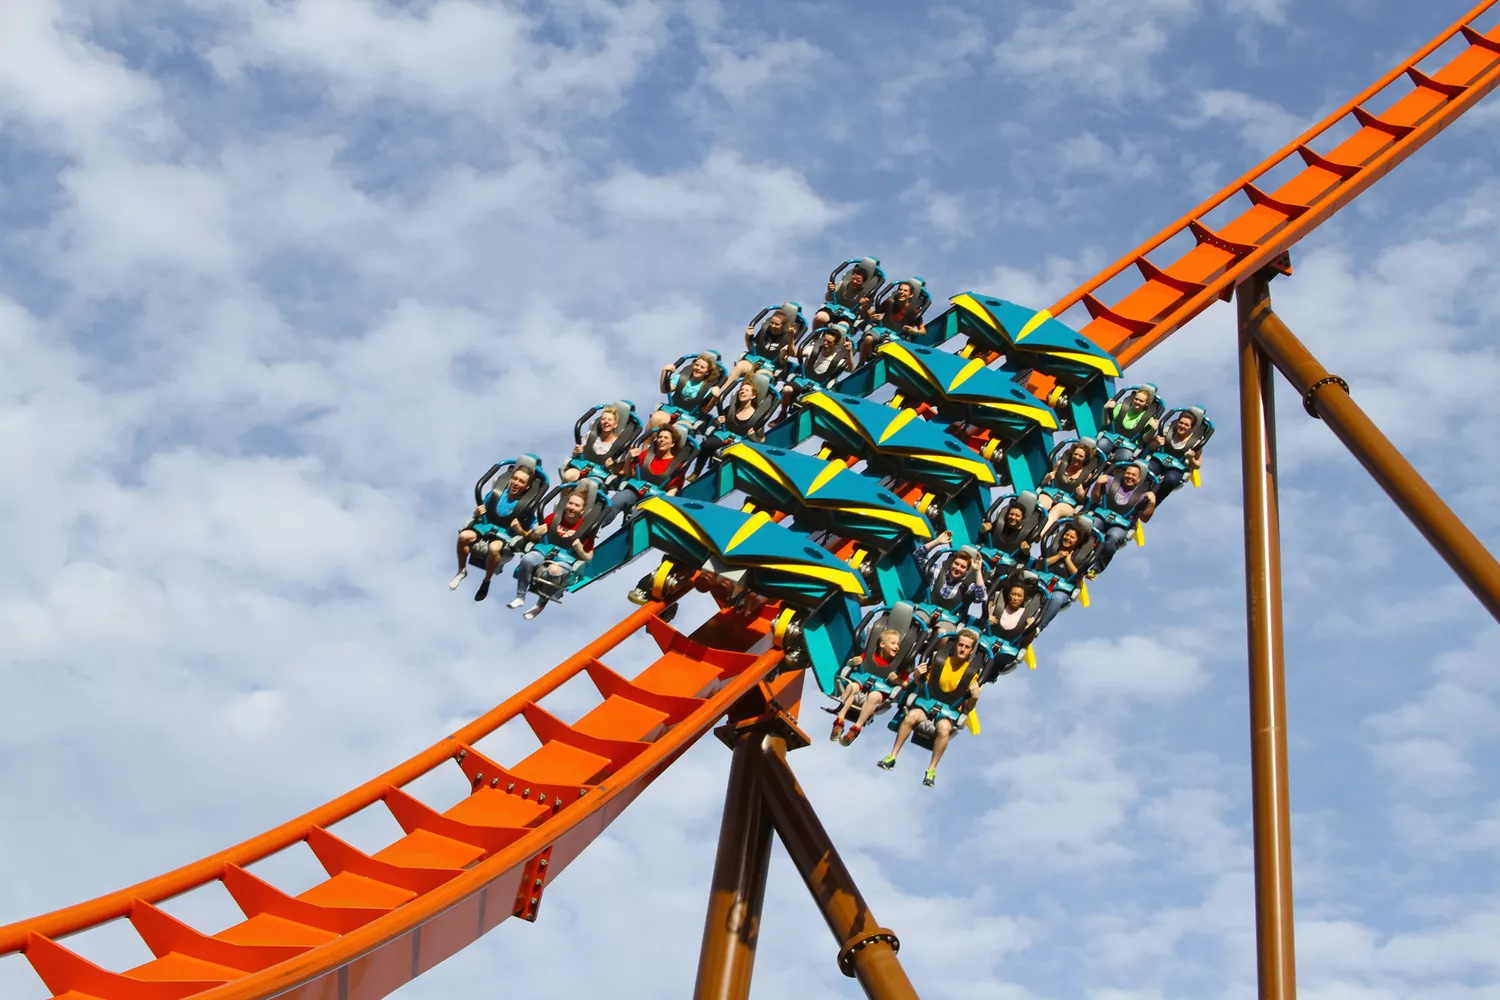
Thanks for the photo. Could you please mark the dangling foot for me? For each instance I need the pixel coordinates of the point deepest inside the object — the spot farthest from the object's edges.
(483, 591)
(516, 603)
(930, 778)
(850, 736)
(532, 612)
(453, 583)
(888, 764)
(838, 730)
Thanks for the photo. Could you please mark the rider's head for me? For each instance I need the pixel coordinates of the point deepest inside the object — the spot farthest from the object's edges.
(1131, 477)
(963, 646)
(608, 420)
(573, 509)
(1184, 425)
(520, 479)
(699, 368)
(904, 292)
(746, 394)
(959, 566)
(1077, 455)
(1013, 516)
(664, 441)
(1015, 596)
(1140, 399)
(889, 643)
(1069, 538)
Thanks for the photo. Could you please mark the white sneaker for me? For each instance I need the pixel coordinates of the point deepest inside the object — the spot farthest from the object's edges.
(453, 583)
(516, 603)
(532, 612)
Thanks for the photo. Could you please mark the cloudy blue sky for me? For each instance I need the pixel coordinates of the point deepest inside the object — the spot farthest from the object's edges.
(277, 280)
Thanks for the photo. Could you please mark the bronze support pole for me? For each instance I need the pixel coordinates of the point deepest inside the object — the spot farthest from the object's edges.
(1327, 396)
(727, 959)
(1271, 811)
(867, 951)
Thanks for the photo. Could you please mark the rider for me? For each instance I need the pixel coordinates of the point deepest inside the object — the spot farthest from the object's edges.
(1180, 442)
(1061, 558)
(561, 532)
(946, 690)
(957, 588)
(1013, 537)
(773, 343)
(688, 394)
(882, 663)
(1066, 487)
(1125, 493)
(600, 445)
(660, 468)
(1127, 426)
(497, 516)
(744, 417)
(1008, 615)
(852, 292)
(900, 312)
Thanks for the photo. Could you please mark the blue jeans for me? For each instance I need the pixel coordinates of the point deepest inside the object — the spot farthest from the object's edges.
(1115, 538)
(1055, 603)
(526, 569)
(1170, 479)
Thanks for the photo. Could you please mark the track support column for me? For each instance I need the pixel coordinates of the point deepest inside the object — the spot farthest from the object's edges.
(1327, 397)
(727, 960)
(1271, 810)
(867, 951)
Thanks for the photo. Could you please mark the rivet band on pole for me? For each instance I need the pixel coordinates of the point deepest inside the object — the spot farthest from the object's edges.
(860, 942)
(1312, 390)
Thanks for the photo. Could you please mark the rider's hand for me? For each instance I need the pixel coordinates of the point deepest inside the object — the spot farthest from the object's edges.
(479, 510)
(578, 449)
(830, 286)
(945, 537)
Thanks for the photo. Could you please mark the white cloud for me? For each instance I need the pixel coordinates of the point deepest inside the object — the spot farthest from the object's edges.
(1102, 49)
(1262, 125)
(1134, 665)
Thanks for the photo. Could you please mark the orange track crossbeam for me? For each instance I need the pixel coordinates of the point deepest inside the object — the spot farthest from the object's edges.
(381, 919)
(1170, 296)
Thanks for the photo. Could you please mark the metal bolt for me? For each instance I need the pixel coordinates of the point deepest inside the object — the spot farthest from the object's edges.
(537, 884)
(494, 782)
(526, 793)
(543, 863)
(478, 777)
(581, 791)
(510, 787)
(533, 900)
(460, 756)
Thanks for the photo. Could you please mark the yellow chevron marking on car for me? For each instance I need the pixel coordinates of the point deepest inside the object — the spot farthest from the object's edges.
(981, 470)
(755, 458)
(848, 582)
(966, 373)
(1032, 323)
(902, 419)
(858, 559)
(894, 350)
(913, 523)
(747, 529)
(825, 403)
(1105, 365)
(658, 506)
(968, 304)
(1040, 414)
(826, 476)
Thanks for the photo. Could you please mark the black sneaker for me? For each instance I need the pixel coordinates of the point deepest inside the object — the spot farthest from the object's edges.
(888, 764)
(483, 591)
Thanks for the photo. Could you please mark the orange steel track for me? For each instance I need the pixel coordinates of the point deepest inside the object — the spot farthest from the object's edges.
(1170, 296)
(380, 920)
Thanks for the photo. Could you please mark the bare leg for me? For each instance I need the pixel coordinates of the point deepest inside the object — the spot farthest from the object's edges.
(940, 741)
(466, 539)
(850, 690)
(913, 718)
(1057, 512)
(571, 475)
(867, 710)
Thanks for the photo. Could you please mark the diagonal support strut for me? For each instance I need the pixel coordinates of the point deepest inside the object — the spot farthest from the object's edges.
(1327, 397)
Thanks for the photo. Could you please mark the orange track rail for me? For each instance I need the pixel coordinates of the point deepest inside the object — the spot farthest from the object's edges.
(380, 920)
(1170, 296)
